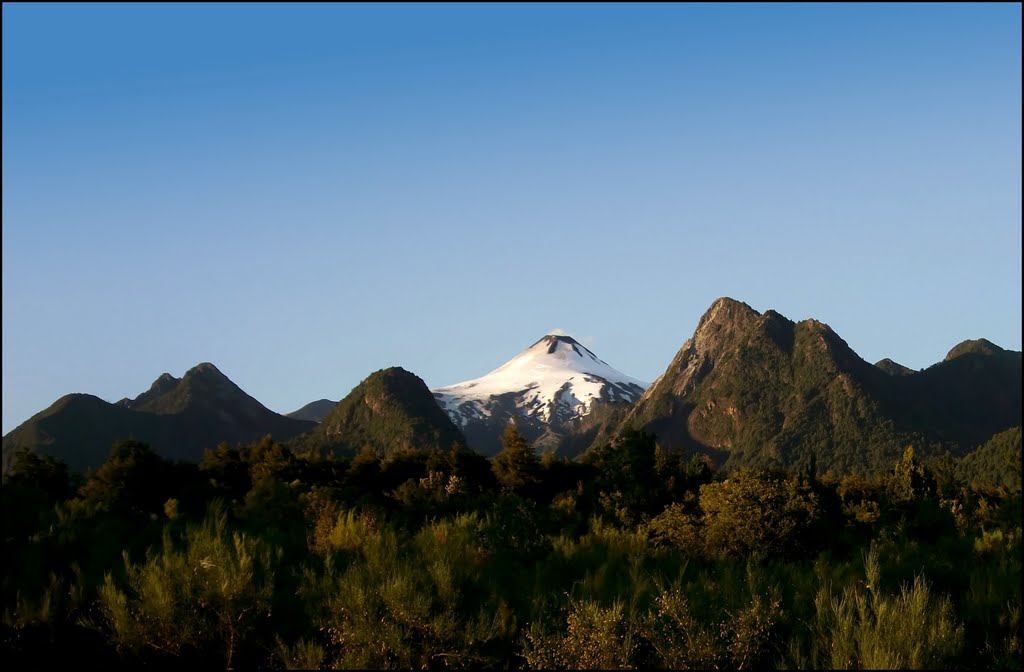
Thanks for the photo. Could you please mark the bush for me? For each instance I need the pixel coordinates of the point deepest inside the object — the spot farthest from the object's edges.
(210, 594)
(595, 638)
(761, 515)
(410, 605)
(680, 641)
(862, 627)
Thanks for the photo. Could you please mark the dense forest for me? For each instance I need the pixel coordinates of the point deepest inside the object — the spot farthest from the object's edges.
(628, 557)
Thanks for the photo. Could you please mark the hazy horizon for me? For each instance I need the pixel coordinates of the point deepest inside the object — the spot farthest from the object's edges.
(303, 194)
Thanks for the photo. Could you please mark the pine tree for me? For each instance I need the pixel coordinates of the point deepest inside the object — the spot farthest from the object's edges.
(516, 467)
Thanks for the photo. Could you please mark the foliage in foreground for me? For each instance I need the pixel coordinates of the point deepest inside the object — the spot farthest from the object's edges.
(259, 557)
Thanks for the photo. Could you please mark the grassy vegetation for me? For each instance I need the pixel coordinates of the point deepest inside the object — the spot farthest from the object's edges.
(263, 558)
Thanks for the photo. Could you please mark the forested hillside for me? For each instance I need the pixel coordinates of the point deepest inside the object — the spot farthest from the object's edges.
(758, 390)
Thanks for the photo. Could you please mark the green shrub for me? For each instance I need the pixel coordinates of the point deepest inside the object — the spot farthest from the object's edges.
(595, 638)
(209, 594)
(680, 641)
(762, 515)
(408, 605)
(864, 628)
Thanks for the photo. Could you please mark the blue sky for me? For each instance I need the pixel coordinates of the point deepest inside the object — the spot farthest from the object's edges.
(303, 194)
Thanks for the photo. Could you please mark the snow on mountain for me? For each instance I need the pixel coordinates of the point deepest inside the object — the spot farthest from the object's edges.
(554, 381)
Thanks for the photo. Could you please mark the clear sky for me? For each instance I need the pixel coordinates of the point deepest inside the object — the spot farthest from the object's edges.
(303, 194)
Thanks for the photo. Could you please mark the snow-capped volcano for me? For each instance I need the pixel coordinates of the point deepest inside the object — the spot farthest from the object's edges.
(550, 384)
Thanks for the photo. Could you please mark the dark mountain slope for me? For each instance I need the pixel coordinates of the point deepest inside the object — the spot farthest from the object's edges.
(389, 411)
(177, 418)
(314, 411)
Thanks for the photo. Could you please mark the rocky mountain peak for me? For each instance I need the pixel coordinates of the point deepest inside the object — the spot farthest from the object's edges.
(722, 323)
(981, 346)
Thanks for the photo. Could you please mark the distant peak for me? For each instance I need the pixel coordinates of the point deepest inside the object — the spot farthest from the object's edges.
(205, 369)
(774, 315)
(555, 380)
(725, 310)
(76, 398)
(559, 343)
(393, 372)
(208, 377)
(729, 305)
(165, 382)
(893, 368)
(728, 302)
(980, 346)
(558, 338)
(818, 327)
(393, 380)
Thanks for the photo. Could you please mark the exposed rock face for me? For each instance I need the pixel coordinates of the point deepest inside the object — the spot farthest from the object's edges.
(753, 389)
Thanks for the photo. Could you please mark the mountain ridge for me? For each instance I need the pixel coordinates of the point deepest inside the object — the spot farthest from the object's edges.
(748, 388)
(758, 389)
(178, 417)
(314, 411)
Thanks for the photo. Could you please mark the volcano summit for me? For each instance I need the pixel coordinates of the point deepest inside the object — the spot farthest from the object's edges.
(549, 389)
